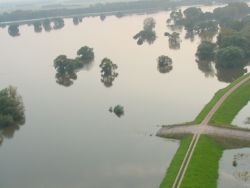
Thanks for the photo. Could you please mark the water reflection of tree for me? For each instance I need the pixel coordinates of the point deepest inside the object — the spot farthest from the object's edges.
(77, 20)
(206, 67)
(8, 132)
(37, 27)
(102, 17)
(190, 35)
(147, 34)
(58, 23)
(47, 25)
(13, 30)
(228, 75)
(108, 72)
(173, 40)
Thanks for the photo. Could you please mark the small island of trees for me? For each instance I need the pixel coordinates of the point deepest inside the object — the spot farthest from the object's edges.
(164, 64)
(118, 110)
(108, 72)
(148, 33)
(66, 68)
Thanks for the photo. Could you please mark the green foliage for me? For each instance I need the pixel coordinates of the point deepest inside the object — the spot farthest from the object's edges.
(108, 67)
(176, 162)
(232, 11)
(202, 171)
(108, 72)
(193, 13)
(206, 51)
(86, 54)
(164, 64)
(66, 68)
(118, 110)
(164, 61)
(147, 34)
(11, 107)
(230, 57)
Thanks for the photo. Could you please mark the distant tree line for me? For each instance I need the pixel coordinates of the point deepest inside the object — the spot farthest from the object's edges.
(19, 15)
(98, 8)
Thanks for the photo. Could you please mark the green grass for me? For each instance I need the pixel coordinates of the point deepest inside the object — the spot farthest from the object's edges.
(202, 171)
(201, 116)
(175, 165)
(232, 105)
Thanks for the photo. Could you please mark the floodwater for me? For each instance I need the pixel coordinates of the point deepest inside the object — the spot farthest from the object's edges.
(70, 139)
(243, 117)
(235, 169)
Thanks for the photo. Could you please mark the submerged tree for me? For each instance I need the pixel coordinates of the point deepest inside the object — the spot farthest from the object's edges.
(65, 70)
(164, 64)
(11, 108)
(108, 72)
(86, 55)
(119, 110)
(206, 67)
(206, 51)
(147, 34)
(176, 16)
(173, 39)
(228, 75)
(230, 57)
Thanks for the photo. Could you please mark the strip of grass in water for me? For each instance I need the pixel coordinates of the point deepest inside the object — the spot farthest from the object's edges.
(201, 116)
(202, 171)
(203, 168)
(176, 162)
(232, 105)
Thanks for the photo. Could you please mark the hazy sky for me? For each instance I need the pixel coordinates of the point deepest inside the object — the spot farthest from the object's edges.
(54, 1)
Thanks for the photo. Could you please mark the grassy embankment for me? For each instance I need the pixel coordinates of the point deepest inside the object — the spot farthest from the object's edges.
(203, 167)
(231, 106)
(215, 99)
(175, 165)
